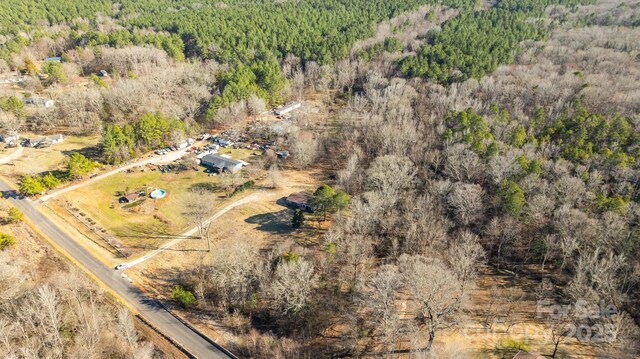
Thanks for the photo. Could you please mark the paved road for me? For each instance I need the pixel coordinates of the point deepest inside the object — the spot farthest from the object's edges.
(169, 157)
(149, 308)
(193, 230)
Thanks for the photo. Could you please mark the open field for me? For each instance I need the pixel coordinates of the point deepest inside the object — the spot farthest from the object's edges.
(41, 160)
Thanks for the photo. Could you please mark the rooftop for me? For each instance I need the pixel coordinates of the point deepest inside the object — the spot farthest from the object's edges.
(219, 161)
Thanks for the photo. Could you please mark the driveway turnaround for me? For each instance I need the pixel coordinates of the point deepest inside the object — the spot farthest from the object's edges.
(193, 342)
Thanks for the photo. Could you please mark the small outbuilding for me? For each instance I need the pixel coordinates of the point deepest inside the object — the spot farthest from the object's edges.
(128, 198)
(39, 102)
(300, 200)
(221, 164)
(287, 108)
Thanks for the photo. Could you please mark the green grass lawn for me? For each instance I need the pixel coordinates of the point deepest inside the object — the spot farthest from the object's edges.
(151, 221)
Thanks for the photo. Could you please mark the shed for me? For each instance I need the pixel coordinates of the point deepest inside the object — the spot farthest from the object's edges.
(287, 108)
(128, 198)
(221, 164)
(300, 200)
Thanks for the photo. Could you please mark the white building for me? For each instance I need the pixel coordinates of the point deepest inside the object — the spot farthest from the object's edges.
(39, 102)
(46, 141)
(287, 108)
(10, 137)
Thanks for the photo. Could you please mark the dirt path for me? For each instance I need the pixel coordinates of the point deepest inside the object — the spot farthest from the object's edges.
(13, 156)
(169, 157)
(251, 198)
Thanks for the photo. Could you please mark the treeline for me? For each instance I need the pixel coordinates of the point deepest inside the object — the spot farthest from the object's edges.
(261, 77)
(474, 43)
(577, 135)
(172, 44)
(18, 16)
(121, 143)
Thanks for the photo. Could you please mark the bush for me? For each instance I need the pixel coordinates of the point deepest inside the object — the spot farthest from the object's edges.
(15, 215)
(6, 241)
(243, 187)
(184, 297)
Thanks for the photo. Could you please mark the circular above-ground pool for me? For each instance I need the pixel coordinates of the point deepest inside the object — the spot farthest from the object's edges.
(157, 194)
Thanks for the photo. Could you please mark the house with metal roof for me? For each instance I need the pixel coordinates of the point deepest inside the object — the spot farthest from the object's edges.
(46, 141)
(221, 164)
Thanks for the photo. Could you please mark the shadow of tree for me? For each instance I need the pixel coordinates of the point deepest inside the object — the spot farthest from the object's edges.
(93, 153)
(274, 222)
(205, 187)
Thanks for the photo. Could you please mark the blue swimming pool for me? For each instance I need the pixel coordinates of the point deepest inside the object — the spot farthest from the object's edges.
(157, 194)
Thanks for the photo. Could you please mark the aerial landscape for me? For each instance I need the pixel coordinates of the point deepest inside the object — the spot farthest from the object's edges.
(320, 179)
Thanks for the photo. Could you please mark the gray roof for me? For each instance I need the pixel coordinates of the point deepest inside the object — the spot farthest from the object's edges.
(219, 162)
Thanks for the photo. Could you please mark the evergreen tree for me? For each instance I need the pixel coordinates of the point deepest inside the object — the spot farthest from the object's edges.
(50, 181)
(79, 165)
(513, 197)
(298, 219)
(31, 186)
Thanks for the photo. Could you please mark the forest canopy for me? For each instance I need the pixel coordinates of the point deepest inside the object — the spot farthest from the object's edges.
(474, 43)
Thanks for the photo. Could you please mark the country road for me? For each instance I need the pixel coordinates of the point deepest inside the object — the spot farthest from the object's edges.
(194, 230)
(150, 309)
(169, 157)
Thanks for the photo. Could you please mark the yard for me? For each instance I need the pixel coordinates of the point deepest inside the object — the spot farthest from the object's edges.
(41, 160)
(145, 223)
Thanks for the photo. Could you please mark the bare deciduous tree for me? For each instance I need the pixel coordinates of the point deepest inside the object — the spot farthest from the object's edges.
(303, 147)
(465, 255)
(435, 290)
(291, 287)
(466, 201)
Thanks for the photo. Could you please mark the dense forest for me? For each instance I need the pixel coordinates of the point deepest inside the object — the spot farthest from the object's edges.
(465, 140)
(473, 44)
